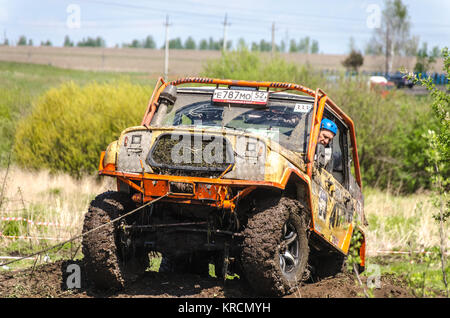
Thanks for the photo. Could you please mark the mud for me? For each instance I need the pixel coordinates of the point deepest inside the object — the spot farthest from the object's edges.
(49, 280)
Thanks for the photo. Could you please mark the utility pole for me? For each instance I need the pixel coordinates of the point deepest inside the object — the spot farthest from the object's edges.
(166, 54)
(273, 39)
(286, 41)
(225, 24)
(386, 67)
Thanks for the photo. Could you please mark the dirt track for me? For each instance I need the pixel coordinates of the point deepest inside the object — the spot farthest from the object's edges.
(48, 280)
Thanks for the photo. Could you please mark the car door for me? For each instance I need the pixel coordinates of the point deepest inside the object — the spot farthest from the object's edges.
(335, 206)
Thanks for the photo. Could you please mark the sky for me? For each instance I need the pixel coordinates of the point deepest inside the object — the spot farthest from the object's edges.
(332, 23)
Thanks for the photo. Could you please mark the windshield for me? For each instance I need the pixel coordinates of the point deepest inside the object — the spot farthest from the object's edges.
(285, 121)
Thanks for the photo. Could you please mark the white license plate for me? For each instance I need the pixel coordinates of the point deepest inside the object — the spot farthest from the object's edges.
(240, 96)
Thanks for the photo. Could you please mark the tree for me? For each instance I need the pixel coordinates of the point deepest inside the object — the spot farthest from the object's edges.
(91, 42)
(425, 59)
(393, 34)
(412, 46)
(353, 61)
(265, 46)
(315, 47)
(175, 44)
(304, 45)
(67, 41)
(203, 45)
(293, 46)
(189, 44)
(46, 43)
(149, 42)
(136, 44)
(22, 40)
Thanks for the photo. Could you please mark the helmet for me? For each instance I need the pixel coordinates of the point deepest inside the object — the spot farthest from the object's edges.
(328, 125)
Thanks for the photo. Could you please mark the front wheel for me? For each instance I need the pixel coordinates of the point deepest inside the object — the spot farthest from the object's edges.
(110, 261)
(275, 250)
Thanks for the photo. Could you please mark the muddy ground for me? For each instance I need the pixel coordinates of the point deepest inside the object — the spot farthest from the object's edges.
(49, 280)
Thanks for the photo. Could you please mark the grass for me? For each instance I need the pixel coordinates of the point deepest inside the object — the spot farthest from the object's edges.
(422, 272)
(405, 224)
(44, 197)
(400, 222)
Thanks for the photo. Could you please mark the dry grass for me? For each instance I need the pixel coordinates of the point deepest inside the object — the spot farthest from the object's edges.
(403, 223)
(42, 197)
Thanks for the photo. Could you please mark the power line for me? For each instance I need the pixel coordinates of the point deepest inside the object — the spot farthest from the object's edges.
(241, 18)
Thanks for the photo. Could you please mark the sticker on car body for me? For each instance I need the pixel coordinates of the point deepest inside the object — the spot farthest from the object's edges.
(323, 200)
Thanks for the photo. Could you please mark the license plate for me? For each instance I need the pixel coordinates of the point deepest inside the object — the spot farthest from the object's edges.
(240, 96)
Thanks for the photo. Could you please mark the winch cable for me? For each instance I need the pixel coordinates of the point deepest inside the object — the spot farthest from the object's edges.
(87, 232)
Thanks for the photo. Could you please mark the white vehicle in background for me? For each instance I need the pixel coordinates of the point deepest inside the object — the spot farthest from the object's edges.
(380, 83)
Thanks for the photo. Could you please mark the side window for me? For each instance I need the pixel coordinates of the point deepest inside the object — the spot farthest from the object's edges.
(339, 154)
(339, 151)
(353, 186)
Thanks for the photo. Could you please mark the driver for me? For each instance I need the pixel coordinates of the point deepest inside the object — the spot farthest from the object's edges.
(328, 130)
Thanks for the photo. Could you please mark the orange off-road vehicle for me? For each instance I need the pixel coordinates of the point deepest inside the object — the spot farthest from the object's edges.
(229, 173)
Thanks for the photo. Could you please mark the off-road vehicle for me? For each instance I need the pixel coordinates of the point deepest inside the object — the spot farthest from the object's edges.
(236, 179)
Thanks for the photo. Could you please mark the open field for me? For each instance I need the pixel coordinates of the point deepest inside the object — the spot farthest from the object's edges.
(182, 62)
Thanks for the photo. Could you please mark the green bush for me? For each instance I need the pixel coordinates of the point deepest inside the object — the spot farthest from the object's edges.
(70, 125)
(391, 146)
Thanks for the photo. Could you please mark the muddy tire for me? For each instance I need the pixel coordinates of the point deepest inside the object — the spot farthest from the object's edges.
(275, 250)
(109, 263)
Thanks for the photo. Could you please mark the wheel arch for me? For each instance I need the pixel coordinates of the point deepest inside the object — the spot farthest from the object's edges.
(298, 187)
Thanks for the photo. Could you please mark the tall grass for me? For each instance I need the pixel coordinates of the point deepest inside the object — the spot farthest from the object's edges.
(402, 223)
(40, 196)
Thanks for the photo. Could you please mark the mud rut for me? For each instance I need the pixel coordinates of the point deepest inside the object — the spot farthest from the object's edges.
(48, 280)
